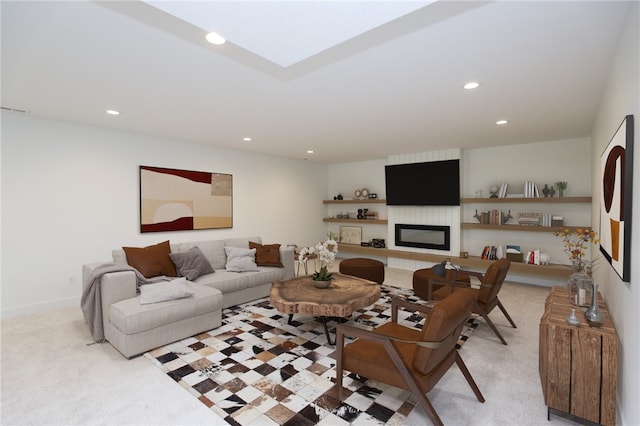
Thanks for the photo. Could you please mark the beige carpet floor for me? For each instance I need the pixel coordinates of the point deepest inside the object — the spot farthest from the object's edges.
(50, 376)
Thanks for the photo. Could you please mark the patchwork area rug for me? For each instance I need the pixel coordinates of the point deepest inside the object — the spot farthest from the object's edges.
(255, 369)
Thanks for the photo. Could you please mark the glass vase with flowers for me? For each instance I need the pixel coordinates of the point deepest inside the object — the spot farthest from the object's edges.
(576, 243)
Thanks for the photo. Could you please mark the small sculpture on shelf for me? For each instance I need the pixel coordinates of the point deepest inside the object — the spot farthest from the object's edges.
(362, 213)
(494, 191)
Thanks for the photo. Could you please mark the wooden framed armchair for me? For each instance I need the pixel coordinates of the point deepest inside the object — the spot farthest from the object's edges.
(485, 297)
(408, 358)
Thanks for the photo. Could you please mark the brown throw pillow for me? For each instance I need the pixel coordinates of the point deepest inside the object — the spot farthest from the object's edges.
(151, 261)
(267, 254)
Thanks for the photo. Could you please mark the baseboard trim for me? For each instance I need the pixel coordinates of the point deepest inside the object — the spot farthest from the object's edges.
(37, 308)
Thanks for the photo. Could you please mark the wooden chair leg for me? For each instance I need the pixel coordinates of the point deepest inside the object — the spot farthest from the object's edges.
(479, 310)
(339, 371)
(467, 375)
(504, 311)
(428, 408)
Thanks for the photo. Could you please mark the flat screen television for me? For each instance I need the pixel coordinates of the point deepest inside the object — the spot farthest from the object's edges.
(433, 183)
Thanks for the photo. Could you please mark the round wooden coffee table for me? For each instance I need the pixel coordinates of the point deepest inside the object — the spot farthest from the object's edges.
(345, 295)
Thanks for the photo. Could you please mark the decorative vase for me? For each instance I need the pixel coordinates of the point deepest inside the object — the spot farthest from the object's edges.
(560, 192)
(579, 285)
(594, 315)
(321, 283)
(573, 318)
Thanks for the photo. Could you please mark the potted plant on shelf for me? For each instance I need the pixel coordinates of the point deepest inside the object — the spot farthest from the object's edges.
(561, 185)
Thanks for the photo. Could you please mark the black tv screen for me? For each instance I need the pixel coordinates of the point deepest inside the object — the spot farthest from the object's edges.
(434, 183)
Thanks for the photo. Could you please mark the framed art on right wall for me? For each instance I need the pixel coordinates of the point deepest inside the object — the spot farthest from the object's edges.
(616, 174)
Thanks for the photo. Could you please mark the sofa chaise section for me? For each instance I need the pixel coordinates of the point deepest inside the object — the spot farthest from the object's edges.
(133, 328)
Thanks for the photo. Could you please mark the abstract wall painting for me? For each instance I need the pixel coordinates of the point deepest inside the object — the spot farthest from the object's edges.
(616, 174)
(179, 200)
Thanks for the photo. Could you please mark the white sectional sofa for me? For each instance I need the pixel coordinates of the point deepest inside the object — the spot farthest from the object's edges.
(133, 328)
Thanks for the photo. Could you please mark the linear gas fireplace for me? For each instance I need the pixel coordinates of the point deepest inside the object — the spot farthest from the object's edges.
(423, 236)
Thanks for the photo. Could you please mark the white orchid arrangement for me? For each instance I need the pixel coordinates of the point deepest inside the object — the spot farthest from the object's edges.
(326, 251)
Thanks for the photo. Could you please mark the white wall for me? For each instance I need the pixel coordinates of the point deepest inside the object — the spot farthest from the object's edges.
(543, 162)
(622, 97)
(70, 194)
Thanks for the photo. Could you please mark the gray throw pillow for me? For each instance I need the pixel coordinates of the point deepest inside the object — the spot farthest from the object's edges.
(191, 263)
(165, 290)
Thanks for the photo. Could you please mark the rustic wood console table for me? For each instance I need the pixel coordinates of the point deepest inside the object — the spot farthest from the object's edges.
(578, 364)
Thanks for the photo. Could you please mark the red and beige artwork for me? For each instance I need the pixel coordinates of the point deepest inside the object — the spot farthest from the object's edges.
(178, 200)
(616, 164)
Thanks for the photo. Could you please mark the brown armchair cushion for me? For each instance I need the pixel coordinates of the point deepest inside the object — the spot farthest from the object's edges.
(495, 274)
(444, 322)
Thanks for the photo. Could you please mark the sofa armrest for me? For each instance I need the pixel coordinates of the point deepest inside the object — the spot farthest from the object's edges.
(117, 286)
(287, 257)
(114, 287)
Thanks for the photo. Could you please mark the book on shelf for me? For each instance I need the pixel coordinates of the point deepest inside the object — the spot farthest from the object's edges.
(502, 192)
(557, 220)
(513, 253)
(513, 248)
(529, 219)
(490, 253)
(531, 190)
(533, 257)
(492, 217)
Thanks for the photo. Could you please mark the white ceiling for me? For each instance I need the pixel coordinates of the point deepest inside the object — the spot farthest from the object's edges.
(286, 32)
(396, 88)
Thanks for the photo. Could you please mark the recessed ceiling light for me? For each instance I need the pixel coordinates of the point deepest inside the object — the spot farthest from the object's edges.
(246, 139)
(215, 38)
(113, 112)
(501, 122)
(309, 151)
(471, 85)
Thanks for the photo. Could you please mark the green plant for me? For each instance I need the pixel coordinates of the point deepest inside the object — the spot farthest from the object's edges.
(561, 185)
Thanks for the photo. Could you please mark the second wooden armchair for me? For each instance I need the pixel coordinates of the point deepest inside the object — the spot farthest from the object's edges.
(485, 297)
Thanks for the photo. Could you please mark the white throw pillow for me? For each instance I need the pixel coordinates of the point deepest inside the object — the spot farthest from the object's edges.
(241, 259)
(165, 290)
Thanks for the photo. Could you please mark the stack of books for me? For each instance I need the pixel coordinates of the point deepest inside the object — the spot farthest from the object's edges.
(513, 253)
(492, 217)
(502, 191)
(371, 215)
(546, 219)
(531, 190)
(529, 219)
(490, 253)
(533, 257)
